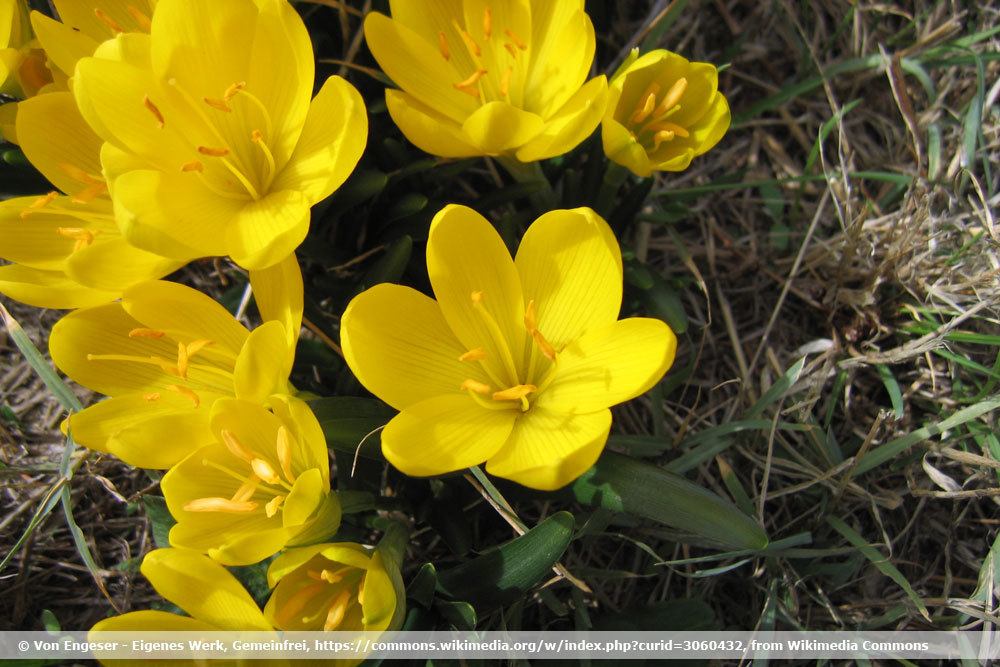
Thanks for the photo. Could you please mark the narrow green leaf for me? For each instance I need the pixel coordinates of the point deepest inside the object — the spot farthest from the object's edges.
(623, 484)
(160, 519)
(878, 560)
(824, 132)
(777, 390)
(504, 574)
(459, 614)
(39, 364)
(421, 587)
(390, 266)
(892, 387)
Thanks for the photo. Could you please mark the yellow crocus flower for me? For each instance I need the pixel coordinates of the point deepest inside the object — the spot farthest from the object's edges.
(164, 355)
(262, 483)
(663, 111)
(66, 249)
(341, 586)
(489, 77)
(22, 63)
(203, 589)
(517, 362)
(213, 146)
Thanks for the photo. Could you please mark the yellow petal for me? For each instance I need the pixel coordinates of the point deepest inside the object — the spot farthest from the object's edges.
(711, 127)
(249, 547)
(548, 450)
(563, 46)
(417, 67)
(174, 215)
(115, 265)
(380, 601)
(399, 346)
(498, 127)
(63, 45)
(147, 620)
(571, 267)
(268, 230)
(159, 442)
(609, 365)
(278, 292)
(48, 289)
(309, 443)
(253, 426)
(465, 255)
(263, 366)
(429, 20)
(185, 313)
(570, 125)
(332, 141)
(306, 496)
(202, 588)
(83, 18)
(622, 147)
(445, 434)
(36, 240)
(427, 129)
(703, 83)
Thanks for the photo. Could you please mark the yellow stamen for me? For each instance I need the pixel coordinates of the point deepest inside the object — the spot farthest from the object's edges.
(187, 393)
(151, 396)
(488, 22)
(468, 86)
(338, 610)
(39, 203)
(220, 505)
(264, 470)
(660, 137)
(246, 490)
(294, 604)
(443, 46)
(214, 152)
(258, 138)
(478, 387)
(475, 354)
(285, 453)
(196, 346)
(90, 193)
(140, 18)
(496, 334)
(515, 393)
(673, 96)
(648, 102)
(233, 444)
(543, 345)
(514, 38)
(155, 110)
(182, 360)
(193, 165)
(470, 43)
(511, 49)
(505, 81)
(670, 127)
(272, 506)
(233, 89)
(221, 105)
(80, 175)
(108, 21)
(77, 234)
(530, 316)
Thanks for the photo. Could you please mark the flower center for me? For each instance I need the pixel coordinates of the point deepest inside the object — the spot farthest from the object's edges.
(232, 168)
(264, 481)
(496, 60)
(648, 122)
(520, 386)
(335, 591)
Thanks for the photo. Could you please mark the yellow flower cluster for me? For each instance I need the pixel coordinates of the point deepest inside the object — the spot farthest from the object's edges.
(175, 130)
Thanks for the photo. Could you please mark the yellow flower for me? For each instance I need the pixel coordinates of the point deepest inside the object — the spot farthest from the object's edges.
(489, 77)
(213, 146)
(517, 362)
(663, 111)
(22, 63)
(66, 250)
(165, 354)
(343, 587)
(206, 591)
(263, 483)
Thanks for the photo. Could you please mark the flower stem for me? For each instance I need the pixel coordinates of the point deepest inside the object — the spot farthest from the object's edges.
(543, 199)
(394, 541)
(614, 176)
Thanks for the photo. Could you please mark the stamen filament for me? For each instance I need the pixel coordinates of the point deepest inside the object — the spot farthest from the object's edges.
(338, 610)
(218, 104)
(233, 444)
(220, 505)
(247, 489)
(499, 340)
(272, 169)
(187, 393)
(284, 447)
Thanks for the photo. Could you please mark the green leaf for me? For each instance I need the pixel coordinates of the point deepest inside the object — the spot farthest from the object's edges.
(421, 587)
(664, 302)
(878, 560)
(622, 484)
(49, 621)
(777, 390)
(390, 266)
(505, 573)
(348, 421)
(160, 519)
(459, 614)
(892, 386)
(39, 364)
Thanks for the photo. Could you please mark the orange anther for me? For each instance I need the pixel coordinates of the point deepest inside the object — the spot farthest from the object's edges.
(108, 21)
(155, 110)
(443, 46)
(214, 152)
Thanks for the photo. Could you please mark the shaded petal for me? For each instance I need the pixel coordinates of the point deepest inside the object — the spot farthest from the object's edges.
(115, 265)
(428, 20)
(159, 442)
(380, 596)
(571, 266)
(622, 147)
(426, 129)
(263, 366)
(174, 215)
(573, 123)
(309, 447)
(497, 127)
(202, 588)
(304, 499)
(561, 55)
(444, 434)
(185, 314)
(148, 620)
(253, 426)
(268, 230)
(81, 16)
(416, 66)
(36, 240)
(331, 143)
(278, 292)
(63, 45)
(711, 127)
(57, 141)
(610, 365)
(48, 289)
(548, 450)
(399, 346)
(465, 255)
